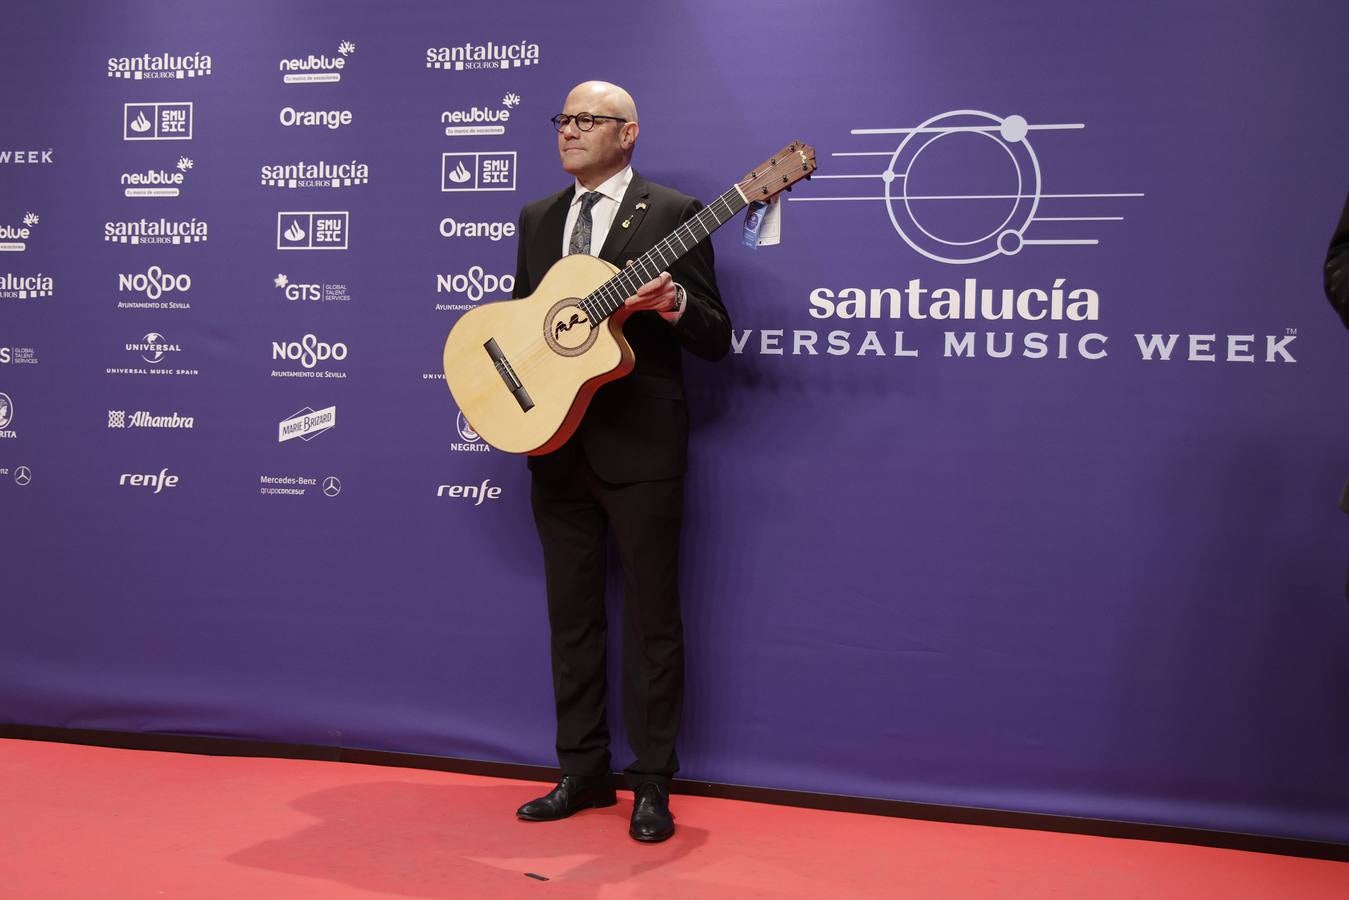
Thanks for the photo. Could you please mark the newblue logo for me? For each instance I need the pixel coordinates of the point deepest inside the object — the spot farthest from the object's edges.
(157, 182)
(477, 121)
(487, 171)
(157, 121)
(317, 69)
(14, 238)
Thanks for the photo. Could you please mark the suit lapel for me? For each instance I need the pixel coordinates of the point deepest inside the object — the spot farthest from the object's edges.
(638, 194)
(554, 221)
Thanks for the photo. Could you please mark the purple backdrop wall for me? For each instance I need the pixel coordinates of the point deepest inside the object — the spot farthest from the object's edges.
(1086, 580)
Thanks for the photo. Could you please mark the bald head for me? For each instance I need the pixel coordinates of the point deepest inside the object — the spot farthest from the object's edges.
(596, 155)
(603, 99)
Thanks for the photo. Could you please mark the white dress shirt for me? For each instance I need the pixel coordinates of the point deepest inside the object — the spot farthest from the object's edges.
(602, 216)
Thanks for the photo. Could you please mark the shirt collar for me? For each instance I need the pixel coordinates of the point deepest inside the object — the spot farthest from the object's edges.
(614, 188)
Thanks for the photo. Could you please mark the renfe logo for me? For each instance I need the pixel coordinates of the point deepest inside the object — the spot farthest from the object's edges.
(158, 482)
(480, 492)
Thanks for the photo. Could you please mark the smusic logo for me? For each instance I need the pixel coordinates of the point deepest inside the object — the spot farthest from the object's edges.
(316, 174)
(163, 65)
(483, 56)
(488, 171)
(312, 230)
(319, 69)
(157, 121)
(157, 182)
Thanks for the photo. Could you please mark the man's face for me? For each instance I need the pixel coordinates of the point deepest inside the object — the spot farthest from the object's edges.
(594, 155)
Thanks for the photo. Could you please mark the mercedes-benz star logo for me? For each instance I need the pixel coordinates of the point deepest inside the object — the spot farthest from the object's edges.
(332, 485)
(23, 475)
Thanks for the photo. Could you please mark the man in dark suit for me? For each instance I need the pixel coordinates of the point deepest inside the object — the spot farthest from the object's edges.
(1337, 292)
(623, 469)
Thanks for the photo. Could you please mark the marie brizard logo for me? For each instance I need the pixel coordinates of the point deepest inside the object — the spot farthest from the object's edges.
(568, 314)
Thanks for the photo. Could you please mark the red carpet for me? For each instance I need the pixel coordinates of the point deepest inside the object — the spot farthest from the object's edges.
(92, 822)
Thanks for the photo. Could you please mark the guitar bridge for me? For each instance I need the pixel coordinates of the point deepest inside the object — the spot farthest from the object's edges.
(507, 373)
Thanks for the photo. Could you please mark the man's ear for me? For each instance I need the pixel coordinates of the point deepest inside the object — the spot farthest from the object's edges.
(629, 137)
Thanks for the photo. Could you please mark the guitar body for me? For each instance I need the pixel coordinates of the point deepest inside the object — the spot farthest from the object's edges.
(523, 371)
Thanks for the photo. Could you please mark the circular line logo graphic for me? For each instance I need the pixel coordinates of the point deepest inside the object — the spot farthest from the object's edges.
(332, 486)
(23, 475)
(919, 155)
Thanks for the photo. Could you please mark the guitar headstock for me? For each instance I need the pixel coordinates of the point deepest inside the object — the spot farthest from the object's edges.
(791, 164)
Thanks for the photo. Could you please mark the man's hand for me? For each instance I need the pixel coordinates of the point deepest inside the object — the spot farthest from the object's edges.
(658, 294)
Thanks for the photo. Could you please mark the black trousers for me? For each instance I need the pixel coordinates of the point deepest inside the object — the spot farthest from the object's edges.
(573, 513)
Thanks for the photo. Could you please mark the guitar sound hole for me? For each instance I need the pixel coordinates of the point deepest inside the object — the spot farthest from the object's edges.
(567, 328)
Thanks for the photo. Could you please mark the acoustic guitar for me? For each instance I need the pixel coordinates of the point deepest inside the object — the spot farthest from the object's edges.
(523, 371)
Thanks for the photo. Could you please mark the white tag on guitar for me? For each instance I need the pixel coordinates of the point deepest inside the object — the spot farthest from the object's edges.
(763, 223)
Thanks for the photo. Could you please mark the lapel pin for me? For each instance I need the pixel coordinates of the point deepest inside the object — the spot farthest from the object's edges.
(626, 222)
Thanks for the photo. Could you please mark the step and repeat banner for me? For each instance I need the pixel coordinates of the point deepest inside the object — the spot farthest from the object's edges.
(1017, 489)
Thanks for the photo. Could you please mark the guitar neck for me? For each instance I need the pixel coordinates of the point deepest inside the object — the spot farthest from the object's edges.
(609, 297)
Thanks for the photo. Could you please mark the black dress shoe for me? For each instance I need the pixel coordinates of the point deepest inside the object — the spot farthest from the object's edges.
(651, 819)
(572, 794)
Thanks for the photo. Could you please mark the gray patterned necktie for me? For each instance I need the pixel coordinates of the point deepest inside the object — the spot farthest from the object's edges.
(580, 232)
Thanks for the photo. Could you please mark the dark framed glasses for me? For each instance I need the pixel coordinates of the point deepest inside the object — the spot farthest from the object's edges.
(584, 121)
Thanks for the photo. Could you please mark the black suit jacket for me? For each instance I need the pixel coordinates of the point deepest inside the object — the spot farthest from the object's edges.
(636, 428)
(1337, 268)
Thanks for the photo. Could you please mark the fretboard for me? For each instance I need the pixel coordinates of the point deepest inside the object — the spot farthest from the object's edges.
(609, 297)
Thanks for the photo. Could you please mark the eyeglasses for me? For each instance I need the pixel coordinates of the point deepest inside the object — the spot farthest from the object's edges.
(584, 121)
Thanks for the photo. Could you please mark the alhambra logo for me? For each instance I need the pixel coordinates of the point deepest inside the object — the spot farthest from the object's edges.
(483, 56)
(317, 68)
(157, 182)
(479, 120)
(162, 65)
(14, 238)
(316, 174)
